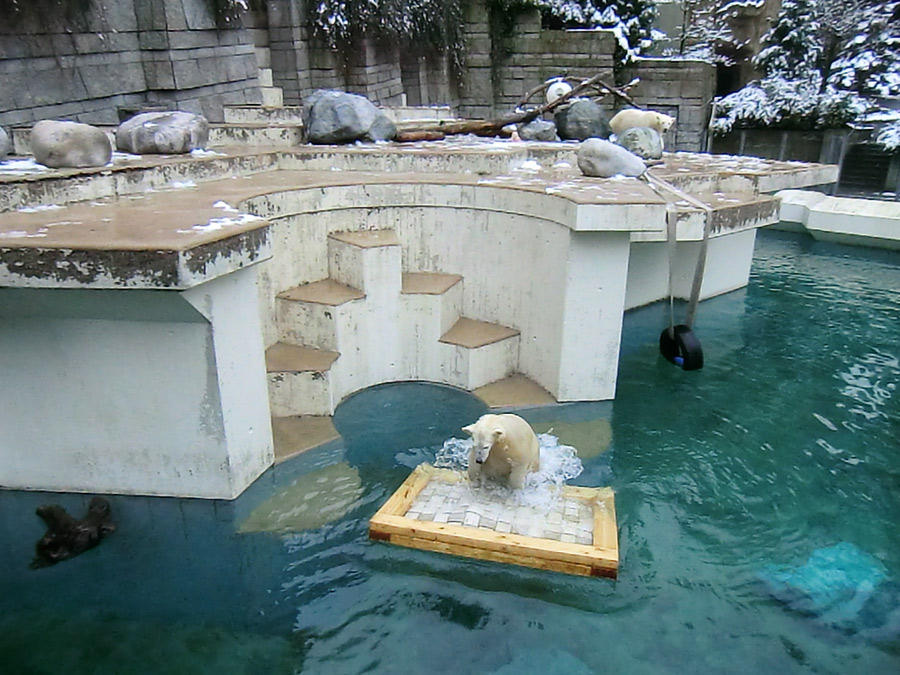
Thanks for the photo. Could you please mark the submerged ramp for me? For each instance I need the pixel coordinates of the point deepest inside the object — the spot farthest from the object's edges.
(437, 510)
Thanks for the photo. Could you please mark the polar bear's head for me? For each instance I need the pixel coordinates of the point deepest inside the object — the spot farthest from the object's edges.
(665, 122)
(484, 436)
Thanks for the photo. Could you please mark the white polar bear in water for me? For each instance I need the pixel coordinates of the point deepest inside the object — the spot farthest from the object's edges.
(632, 117)
(504, 449)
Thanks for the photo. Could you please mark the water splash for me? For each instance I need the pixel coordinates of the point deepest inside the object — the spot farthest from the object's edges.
(559, 463)
(870, 383)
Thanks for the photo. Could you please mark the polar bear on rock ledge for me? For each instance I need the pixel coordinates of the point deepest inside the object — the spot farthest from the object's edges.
(504, 449)
(632, 117)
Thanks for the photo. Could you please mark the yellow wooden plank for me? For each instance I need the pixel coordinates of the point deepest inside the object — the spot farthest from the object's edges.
(583, 493)
(493, 556)
(606, 535)
(513, 544)
(399, 502)
(600, 559)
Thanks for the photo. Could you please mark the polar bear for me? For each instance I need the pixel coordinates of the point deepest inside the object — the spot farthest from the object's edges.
(504, 449)
(632, 117)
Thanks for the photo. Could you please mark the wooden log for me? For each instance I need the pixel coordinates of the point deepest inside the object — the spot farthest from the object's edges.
(495, 127)
(415, 136)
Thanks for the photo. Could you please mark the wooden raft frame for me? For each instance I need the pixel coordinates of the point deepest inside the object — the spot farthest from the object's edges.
(600, 559)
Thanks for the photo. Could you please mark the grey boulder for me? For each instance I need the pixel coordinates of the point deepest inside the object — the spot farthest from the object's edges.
(60, 144)
(644, 142)
(582, 119)
(338, 117)
(163, 133)
(538, 130)
(602, 159)
(5, 143)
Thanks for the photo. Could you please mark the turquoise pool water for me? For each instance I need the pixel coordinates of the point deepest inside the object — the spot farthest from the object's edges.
(785, 444)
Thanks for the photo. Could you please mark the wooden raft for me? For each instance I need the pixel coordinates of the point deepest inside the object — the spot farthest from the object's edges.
(599, 559)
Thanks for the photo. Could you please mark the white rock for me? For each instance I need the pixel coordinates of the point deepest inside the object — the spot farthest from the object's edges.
(602, 159)
(163, 133)
(60, 144)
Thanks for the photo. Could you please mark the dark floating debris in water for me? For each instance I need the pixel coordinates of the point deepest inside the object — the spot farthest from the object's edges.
(66, 536)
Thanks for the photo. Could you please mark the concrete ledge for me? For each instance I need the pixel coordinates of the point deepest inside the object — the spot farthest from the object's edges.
(324, 292)
(284, 358)
(857, 222)
(428, 283)
(473, 334)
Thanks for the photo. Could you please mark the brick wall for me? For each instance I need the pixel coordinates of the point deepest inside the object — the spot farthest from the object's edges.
(124, 54)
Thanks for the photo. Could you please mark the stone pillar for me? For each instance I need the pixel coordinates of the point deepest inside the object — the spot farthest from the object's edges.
(289, 44)
(593, 306)
(477, 92)
(134, 391)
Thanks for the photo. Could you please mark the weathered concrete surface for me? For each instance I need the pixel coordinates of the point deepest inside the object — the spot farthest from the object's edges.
(545, 283)
(858, 222)
(134, 392)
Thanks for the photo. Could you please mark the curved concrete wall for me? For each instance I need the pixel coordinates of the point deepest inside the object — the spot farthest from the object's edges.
(514, 280)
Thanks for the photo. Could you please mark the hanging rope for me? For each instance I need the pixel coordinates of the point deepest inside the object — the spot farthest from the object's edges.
(678, 342)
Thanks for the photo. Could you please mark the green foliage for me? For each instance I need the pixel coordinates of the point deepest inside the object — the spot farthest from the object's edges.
(419, 26)
(502, 18)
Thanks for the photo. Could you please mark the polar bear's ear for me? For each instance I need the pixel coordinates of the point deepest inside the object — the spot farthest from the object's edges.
(498, 433)
(469, 429)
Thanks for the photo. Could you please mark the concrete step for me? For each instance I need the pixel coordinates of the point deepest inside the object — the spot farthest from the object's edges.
(258, 134)
(299, 380)
(436, 113)
(366, 259)
(241, 114)
(272, 96)
(475, 353)
(318, 314)
(430, 304)
(295, 435)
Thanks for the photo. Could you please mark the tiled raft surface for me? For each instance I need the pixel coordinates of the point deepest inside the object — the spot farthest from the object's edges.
(563, 519)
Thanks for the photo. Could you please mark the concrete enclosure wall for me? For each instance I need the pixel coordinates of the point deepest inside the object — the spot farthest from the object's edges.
(123, 54)
(131, 53)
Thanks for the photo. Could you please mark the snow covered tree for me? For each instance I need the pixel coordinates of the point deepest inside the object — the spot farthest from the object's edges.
(869, 61)
(824, 62)
(432, 25)
(630, 20)
(705, 28)
(792, 46)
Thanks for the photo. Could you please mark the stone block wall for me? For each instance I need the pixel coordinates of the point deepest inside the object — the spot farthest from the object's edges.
(301, 63)
(427, 80)
(123, 54)
(131, 53)
(682, 89)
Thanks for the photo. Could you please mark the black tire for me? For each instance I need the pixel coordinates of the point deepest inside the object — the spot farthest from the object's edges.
(681, 348)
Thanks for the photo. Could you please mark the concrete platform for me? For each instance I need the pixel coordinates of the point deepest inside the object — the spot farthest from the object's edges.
(296, 435)
(856, 222)
(182, 265)
(516, 391)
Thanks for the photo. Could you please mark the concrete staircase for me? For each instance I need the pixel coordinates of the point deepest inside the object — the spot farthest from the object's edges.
(369, 323)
